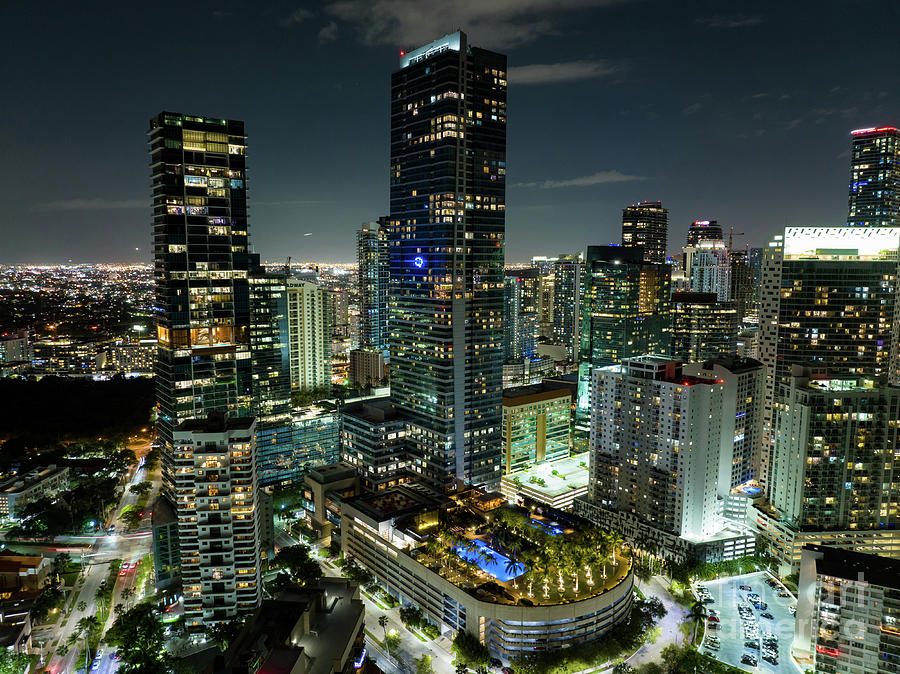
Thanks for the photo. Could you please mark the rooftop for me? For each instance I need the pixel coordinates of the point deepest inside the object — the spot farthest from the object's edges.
(546, 390)
(857, 566)
(554, 478)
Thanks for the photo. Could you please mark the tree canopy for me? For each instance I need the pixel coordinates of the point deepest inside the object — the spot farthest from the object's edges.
(139, 635)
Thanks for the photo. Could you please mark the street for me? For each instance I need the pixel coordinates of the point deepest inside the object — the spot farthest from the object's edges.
(96, 551)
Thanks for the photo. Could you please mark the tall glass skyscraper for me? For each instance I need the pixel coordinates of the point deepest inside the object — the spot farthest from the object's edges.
(646, 225)
(446, 240)
(374, 275)
(271, 373)
(201, 271)
(874, 177)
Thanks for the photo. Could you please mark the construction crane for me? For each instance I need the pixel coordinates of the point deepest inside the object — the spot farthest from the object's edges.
(731, 236)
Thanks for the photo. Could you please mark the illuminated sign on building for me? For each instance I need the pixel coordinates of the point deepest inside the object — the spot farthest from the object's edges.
(867, 242)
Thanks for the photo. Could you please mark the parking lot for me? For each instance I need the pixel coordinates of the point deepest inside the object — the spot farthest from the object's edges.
(753, 636)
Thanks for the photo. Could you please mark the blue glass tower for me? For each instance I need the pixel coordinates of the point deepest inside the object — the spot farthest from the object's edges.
(446, 241)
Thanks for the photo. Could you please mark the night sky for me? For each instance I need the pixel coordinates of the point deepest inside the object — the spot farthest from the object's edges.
(739, 112)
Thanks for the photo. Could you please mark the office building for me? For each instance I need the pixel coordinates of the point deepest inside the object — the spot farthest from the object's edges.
(132, 357)
(568, 292)
(218, 509)
(833, 476)
(66, 356)
(553, 484)
(626, 310)
(702, 326)
(519, 325)
(270, 370)
(741, 280)
(446, 240)
(537, 425)
(309, 335)
(373, 440)
(373, 284)
(166, 552)
(645, 225)
(707, 268)
(324, 489)
(874, 178)
(848, 612)
(827, 302)
(201, 269)
(662, 449)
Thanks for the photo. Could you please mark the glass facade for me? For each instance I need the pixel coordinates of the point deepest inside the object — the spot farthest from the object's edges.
(201, 269)
(519, 324)
(645, 225)
(374, 275)
(702, 327)
(271, 371)
(568, 293)
(627, 310)
(874, 178)
(446, 241)
(537, 426)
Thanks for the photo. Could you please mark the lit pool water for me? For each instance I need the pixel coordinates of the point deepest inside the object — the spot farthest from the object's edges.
(497, 568)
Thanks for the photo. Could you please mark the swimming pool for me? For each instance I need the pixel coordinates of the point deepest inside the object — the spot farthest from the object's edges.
(546, 528)
(497, 568)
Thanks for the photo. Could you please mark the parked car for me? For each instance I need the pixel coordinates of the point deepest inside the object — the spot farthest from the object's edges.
(747, 659)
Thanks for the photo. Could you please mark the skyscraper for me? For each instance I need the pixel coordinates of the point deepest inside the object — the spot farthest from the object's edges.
(218, 525)
(309, 335)
(519, 325)
(703, 230)
(374, 274)
(645, 225)
(663, 449)
(874, 178)
(446, 240)
(626, 310)
(568, 292)
(271, 372)
(702, 327)
(201, 272)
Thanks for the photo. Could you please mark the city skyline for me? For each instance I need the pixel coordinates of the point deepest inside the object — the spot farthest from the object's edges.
(622, 141)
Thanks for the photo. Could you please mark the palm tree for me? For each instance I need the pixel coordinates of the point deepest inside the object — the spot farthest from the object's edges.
(511, 567)
(383, 623)
(614, 538)
(697, 614)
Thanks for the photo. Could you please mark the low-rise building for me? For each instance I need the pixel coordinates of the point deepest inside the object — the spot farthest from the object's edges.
(23, 572)
(554, 484)
(19, 491)
(465, 584)
(316, 630)
(848, 612)
(324, 489)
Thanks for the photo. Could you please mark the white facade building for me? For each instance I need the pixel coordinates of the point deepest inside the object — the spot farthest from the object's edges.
(218, 518)
(309, 330)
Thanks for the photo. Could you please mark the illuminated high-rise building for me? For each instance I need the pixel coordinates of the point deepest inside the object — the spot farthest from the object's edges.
(271, 374)
(568, 292)
(874, 177)
(626, 310)
(374, 274)
(201, 272)
(519, 326)
(702, 327)
(703, 230)
(446, 241)
(645, 225)
(309, 335)
(217, 503)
